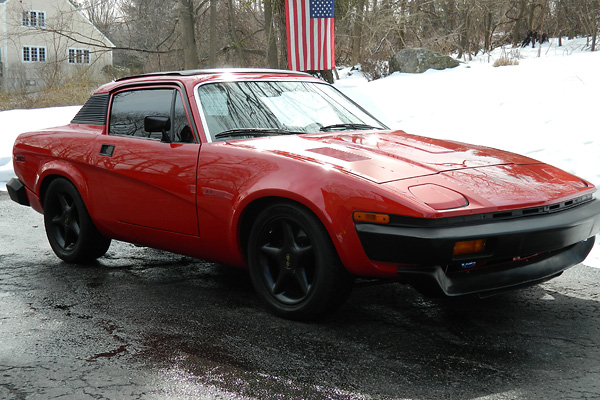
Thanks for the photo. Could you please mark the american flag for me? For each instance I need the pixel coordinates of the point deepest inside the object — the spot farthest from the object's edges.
(310, 34)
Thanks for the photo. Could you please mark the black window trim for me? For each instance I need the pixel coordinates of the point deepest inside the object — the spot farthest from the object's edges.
(177, 86)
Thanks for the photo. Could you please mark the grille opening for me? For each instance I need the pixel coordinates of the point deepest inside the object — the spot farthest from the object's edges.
(503, 215)
(531, 211)
(397, 220)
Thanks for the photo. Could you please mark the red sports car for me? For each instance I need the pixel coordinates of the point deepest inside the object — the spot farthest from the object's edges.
(280, 173)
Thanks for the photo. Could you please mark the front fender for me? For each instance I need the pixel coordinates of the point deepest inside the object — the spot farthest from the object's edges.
(234, 184)
(332, 200)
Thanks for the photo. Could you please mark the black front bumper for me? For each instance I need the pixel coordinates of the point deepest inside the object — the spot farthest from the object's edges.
(17, 191)
(518, 251)
(433, 280)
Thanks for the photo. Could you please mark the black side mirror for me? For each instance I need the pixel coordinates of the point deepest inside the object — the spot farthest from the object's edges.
(157, 123)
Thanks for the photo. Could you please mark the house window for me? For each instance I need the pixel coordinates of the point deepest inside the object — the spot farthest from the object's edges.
(34, 54)
(34, 18)
(79, 56)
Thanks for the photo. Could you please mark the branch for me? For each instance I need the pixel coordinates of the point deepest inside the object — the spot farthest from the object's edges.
(200, 6)
(89, 41)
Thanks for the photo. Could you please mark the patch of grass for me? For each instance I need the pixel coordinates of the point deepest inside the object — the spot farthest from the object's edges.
(504, 61)
(73, 92)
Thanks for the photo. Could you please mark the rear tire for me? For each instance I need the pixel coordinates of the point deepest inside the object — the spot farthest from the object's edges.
(293, 264)
(69, 228)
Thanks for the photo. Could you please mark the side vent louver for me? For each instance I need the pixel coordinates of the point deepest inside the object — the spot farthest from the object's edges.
(93, 111)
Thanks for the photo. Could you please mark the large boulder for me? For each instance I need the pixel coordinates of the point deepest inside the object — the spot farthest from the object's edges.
(417, 61)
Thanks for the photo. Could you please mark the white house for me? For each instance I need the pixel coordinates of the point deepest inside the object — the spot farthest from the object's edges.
(44, 42)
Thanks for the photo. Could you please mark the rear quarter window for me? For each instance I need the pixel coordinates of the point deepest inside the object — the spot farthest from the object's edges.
(93, 111)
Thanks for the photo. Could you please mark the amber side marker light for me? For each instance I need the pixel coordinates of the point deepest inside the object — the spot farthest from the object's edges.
(374, 218)
(469, 247)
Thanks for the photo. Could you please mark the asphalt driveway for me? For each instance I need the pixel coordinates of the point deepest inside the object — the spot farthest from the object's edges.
(145, 324)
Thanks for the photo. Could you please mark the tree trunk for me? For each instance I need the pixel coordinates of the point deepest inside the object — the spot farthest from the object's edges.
(212, 51)
(190, 51)
(517, 29)
(488, 32)
(234, 38)
(531, 18)
(357, 32)
(271, 38)
(280, 21)
(594, 15)
(464, 41)
(594, 35)
(402, 24)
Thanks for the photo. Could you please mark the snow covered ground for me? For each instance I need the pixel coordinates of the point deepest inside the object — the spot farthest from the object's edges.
(547, 107)
(13, 122)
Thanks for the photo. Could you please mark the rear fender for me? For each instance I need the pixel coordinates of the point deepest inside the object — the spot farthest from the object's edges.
(55, 169)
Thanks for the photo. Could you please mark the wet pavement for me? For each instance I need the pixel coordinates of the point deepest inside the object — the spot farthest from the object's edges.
(145, 324)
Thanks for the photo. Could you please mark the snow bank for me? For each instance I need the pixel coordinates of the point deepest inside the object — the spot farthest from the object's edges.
(546, 107)
(14, 122)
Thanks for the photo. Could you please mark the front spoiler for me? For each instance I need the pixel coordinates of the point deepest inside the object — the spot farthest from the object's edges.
(522, 237)
(519, 251)
(495, 279)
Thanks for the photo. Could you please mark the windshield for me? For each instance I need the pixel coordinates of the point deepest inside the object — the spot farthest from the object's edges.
(251, 109)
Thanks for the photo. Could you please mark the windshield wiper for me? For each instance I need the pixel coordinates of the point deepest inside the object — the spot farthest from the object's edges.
(254, 132)
(343, 127)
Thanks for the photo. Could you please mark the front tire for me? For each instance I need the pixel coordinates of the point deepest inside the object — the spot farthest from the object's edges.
(69, 228)
(293, 264)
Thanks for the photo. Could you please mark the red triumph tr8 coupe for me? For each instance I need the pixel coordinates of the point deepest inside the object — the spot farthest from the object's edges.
(280, 173)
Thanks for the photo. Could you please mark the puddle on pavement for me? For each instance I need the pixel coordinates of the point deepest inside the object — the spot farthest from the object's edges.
(193, 369)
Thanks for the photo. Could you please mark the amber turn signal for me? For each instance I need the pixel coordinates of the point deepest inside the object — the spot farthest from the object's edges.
(469, 247)
(373, 218)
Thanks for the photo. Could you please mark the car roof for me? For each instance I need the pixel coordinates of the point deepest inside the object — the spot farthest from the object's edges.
(201, 75)
(192, 72)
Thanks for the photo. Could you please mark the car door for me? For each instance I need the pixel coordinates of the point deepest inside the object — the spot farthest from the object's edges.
(150, 182)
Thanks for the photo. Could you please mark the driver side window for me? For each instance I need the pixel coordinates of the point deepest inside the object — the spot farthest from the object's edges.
(130, 108)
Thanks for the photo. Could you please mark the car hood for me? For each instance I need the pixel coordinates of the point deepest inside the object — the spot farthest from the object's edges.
(385, 156)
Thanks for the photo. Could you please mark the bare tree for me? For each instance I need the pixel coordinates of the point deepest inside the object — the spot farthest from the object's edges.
(357, 31)
(174, 34)
(102, 13)
(213, 34)
(187, 22)
(271, 37)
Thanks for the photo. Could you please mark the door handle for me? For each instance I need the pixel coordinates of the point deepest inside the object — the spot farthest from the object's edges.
(107, 150)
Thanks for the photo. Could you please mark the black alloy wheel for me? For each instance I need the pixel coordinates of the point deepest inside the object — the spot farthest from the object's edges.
(69, 228)
(293, 264)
